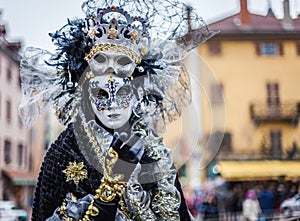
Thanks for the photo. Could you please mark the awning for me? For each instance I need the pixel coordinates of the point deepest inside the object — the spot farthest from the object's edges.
(258, 170)
(19, 177)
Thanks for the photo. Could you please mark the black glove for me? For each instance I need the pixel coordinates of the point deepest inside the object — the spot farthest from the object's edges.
(77, 210)
(130, 151)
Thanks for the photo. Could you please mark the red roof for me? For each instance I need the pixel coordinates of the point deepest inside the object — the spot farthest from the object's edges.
(258, 23)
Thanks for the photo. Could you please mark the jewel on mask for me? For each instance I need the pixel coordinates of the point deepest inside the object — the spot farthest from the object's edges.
(140, 69)
(112, 85)
(112, 33)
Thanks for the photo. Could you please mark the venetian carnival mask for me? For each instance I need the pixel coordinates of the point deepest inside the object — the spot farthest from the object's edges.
(113, 39)
(112, 100)
(112, 63)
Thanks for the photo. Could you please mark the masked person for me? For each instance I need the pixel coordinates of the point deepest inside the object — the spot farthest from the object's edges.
(115, 81)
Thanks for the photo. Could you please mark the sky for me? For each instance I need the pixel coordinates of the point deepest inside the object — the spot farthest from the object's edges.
(30, 21)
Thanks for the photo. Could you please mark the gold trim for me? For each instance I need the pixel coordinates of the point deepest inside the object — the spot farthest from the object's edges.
(110, 186)
(94, 144)
(114, 48)
(110, 162)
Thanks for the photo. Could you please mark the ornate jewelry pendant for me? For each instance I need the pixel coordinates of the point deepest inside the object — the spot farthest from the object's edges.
(107, 193)
(75, 172)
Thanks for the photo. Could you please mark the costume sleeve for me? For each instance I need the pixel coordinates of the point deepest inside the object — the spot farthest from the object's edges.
(51, 187)
(157, 188)
(156, 203)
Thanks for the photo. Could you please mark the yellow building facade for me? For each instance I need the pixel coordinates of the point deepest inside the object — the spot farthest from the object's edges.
(256, 63)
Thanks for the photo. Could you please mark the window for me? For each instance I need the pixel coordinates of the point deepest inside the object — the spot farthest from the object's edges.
(273, 99)
(7, 151)
(217, 94)
(9, 74)
(20, 154)
(8, 111)
(275, 140)
(214, 47)
(273, 94)
(269, 48)
(226, 143)
(219, 140)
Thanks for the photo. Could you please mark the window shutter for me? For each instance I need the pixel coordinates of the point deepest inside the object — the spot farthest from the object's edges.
(280, 48)
(258, 48)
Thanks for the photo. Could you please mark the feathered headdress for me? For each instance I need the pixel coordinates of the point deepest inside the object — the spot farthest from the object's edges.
(155, 34)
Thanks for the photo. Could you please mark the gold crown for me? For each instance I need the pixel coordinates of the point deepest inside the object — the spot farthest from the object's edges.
(113, 29)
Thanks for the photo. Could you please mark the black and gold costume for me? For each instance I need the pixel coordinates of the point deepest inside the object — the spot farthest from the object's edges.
(52, 187)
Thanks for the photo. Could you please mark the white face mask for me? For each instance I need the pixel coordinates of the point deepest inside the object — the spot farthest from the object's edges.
(112, 63)
(111, 99)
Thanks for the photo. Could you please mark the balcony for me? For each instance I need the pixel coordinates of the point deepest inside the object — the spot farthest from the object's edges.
(286, 112)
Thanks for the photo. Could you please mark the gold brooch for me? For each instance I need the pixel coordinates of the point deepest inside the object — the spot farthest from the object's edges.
(75, 172)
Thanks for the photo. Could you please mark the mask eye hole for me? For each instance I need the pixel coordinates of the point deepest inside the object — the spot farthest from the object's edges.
(124, 91)
(99, 93)
(124, 60)
(99, 58)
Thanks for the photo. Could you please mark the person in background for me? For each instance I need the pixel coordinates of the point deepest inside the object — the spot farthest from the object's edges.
(281, 195)
(190, 199)
(210, 207)
(293, 191)
(267, 202)
(251, 208)
(234, 203)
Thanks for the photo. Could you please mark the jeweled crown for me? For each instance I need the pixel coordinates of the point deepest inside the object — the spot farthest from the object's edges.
(113, 29)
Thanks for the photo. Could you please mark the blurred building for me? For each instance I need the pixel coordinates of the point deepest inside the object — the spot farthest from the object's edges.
(21, 150)
(256, 60)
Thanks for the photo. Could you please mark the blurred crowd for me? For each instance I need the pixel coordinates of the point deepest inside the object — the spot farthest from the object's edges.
(238, 201)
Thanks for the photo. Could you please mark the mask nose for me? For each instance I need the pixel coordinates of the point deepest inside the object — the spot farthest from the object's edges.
(113, 104)
(110, 67)
(109, 70)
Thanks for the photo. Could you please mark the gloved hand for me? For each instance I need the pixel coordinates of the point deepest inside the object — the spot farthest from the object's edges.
(74, 210)
(78, 209)
(130, 151)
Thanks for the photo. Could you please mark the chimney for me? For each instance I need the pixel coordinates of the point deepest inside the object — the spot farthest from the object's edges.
(270, 11)
(244, 13)
(287, 22)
